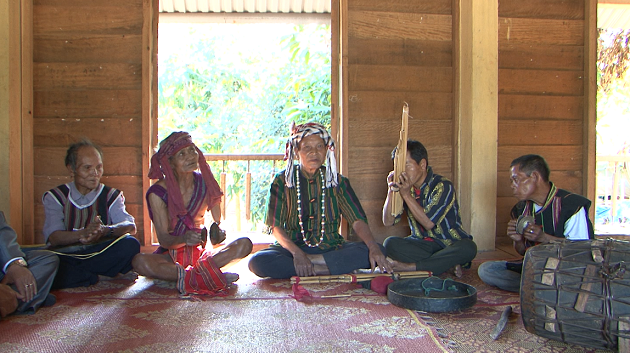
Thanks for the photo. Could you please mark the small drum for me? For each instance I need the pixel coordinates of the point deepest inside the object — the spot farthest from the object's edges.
(578, 292)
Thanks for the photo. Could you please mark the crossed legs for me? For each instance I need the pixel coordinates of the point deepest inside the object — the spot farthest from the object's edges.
(161, 266)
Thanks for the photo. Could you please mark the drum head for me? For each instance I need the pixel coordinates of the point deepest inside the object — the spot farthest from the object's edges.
(431, 294)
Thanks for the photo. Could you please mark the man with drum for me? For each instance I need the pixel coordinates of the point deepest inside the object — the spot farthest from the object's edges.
(556, 213)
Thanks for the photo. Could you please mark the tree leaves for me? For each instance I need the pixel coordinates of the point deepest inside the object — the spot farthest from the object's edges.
(236, 88)
(613, 56)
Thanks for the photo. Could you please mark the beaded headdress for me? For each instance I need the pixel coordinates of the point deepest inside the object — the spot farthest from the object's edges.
(298, 132)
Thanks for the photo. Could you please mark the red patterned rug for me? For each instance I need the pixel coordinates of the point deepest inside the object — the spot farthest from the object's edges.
(143, 315)
(130, 314)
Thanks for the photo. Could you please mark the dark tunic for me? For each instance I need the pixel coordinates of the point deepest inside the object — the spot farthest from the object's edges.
(560, 206)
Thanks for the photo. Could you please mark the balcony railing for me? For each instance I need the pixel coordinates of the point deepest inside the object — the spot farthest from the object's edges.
(612, 195)
(225, 157)
(235, 233)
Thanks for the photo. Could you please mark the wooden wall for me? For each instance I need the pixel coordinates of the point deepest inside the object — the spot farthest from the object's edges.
(87, 82)
(90, 75)
(541, 93)
(398, 51)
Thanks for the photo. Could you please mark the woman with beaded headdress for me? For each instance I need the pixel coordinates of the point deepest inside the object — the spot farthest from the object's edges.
(306, 203)
(177, 204)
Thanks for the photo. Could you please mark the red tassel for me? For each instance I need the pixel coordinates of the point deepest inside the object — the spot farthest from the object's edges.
(299, 292)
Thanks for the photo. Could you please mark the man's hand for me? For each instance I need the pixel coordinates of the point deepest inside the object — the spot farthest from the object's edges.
(23, 280)
(535, 233)
(8, 300)
(192, 238)
(404, 184)
(391, 184)
(93, 232)
(512, 233)
(377, 258)
(303, 265)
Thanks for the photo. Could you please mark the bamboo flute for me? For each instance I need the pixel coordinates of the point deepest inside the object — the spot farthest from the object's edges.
(359, 277)
(400, 159)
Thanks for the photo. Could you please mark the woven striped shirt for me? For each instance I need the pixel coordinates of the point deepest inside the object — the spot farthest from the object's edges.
(341, 200)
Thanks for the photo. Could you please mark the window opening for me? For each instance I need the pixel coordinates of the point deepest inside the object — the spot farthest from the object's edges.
(612, 205)
(236, 87)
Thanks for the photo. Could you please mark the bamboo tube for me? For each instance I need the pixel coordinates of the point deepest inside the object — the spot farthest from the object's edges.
(248, 196)
(222, 178)
(400, 160)
(359, 277)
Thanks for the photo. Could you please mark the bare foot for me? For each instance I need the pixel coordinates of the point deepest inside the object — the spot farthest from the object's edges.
(402, 266)
(231, 277)
(456, 271)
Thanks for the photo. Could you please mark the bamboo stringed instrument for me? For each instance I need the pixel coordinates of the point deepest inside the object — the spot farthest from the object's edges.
(400, 159)
(359, 277)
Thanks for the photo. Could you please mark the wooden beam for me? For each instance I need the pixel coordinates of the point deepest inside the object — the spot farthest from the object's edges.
(344, 81)
(476, 105)
(612, 2)
(149, 103)
(341, 8)
(590, 102)
(28, 211)
(9, 98)
(335, 69)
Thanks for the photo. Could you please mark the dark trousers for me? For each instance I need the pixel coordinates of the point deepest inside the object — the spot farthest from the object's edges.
(43, 265)
(277, 262)
(429, 255)
(75, 272)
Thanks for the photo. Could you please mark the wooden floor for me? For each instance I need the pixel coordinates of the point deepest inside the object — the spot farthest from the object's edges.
(501, 251)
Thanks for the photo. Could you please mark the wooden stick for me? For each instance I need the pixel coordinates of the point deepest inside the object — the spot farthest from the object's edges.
(359, 277)
(400, 159)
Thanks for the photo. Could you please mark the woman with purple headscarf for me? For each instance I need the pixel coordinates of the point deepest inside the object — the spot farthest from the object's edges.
(177, 205)
(306, 203)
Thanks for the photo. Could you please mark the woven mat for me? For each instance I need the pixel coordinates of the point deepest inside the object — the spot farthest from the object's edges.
(144, 315)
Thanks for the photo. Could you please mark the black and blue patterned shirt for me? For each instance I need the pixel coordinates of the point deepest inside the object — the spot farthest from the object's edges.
(437, 196)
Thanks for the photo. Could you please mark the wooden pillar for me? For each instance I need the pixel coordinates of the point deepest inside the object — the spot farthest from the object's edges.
(476, 115)
(7, 16)
(149, 104)
(590, 103)
(16, 106)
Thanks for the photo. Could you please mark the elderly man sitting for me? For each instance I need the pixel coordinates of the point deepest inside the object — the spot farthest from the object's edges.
(557, 214)
(88, 222)
(25, 278)
(178, 203)
(305, 208)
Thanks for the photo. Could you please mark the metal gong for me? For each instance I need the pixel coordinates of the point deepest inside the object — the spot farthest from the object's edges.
(431, 294)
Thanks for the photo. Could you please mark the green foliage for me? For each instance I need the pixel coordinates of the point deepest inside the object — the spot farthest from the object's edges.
(613, 57)
(236, 89)
(613, 102)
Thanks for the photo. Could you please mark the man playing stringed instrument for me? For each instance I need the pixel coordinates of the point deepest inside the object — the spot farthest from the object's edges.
(437, 242)
(305, 208)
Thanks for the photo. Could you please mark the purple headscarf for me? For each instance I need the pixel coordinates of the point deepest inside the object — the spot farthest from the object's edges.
(161, 169)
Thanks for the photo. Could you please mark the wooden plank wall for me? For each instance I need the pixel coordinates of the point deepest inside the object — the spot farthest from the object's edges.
(541, 93)
(87, 81)
(398, 51)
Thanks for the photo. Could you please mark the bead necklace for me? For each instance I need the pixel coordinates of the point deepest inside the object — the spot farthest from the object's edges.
(299, 207)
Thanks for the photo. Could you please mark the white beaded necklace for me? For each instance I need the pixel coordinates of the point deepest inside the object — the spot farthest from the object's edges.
(299, 207)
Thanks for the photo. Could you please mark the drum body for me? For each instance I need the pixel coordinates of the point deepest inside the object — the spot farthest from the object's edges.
(578, 292)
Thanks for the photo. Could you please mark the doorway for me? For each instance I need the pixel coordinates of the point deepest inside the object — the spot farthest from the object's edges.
(236, 87)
